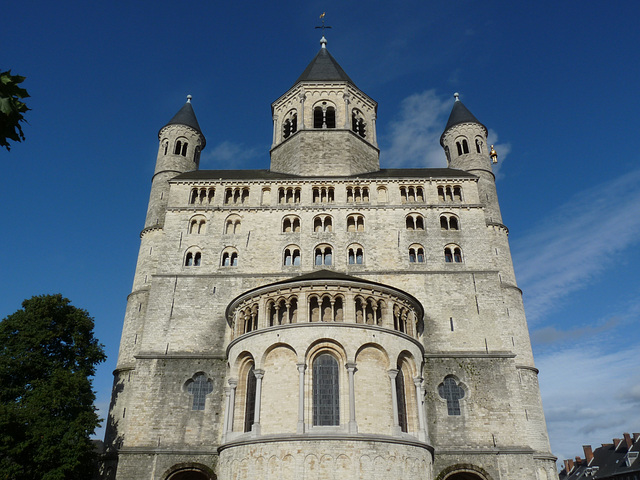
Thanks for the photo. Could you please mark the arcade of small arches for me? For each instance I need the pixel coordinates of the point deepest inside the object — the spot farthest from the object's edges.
(331, 305)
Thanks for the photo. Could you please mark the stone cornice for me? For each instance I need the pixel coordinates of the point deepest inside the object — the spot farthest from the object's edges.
(306, 437)
(470, 354)
(483, 451)
(177, 356)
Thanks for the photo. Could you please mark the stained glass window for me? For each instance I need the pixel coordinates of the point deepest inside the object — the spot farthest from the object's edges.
(326, 391)
(452, 393)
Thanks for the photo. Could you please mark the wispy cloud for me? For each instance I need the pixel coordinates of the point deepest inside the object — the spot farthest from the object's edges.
(230, 155)
(589, 395)
(414, 135)
(577, 241)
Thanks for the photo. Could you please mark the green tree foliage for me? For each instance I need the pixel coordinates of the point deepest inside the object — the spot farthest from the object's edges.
(47, 354)
(11, 108)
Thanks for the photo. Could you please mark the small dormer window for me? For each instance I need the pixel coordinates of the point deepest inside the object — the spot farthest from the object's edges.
(324, 116)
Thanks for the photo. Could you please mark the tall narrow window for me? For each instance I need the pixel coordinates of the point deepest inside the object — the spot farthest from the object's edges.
(402, 401)
(250, 401)
(178, 148)
(326, 391)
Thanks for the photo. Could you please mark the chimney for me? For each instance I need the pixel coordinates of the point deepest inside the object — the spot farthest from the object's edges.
(627, 438)
(588, 453)
(616, 442)
(568, 466)
(578, 461)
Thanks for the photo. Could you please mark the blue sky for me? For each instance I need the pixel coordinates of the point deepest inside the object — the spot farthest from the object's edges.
(555, 82)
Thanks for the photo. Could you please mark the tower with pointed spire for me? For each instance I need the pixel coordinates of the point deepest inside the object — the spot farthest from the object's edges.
(326, 317)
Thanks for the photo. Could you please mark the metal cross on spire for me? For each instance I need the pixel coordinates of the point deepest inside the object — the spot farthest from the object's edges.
(323, 26)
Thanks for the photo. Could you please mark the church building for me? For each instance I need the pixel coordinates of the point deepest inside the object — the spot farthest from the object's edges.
(325, 318)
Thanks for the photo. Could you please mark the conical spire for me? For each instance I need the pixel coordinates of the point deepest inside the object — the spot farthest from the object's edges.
(460, 114)
(186, 116)
(324, 68)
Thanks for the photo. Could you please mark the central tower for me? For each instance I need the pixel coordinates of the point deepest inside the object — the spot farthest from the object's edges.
(324, 124)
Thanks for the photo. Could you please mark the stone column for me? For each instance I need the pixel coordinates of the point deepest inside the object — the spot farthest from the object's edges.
(373, 129)
(353, 425)
(395, 429)
(275, 129)
(227, 403)
(301, 369)
(347, 99)
(255, 428)
(422, 433)
(232, 404)
(301, 96)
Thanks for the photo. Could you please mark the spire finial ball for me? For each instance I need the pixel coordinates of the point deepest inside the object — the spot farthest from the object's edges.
(457, 96)
(189, 97)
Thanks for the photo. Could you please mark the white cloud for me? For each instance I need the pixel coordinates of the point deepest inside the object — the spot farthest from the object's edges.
(577, 241)
(229, 155)
(415, 134)
(589, 396)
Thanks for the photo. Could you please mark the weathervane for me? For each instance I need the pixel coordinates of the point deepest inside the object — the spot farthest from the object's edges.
(323, 26)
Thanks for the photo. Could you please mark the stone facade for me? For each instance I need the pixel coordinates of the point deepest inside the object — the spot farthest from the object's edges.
(325, 318)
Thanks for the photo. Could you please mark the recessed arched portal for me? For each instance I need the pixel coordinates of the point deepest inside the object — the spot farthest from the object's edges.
(463, 472)
(189, 472)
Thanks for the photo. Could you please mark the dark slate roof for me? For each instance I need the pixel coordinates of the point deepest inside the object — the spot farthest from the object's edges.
(269, 175)
(608, 463)
(460, 114)
(324, 68)
(185, 116)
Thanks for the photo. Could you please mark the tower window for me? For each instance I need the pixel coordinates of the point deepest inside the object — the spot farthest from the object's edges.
(324, 116)
(236, 196)
(232, 225)
(452, 254)
(184, 149)
(411, 194)
(193, 258)
(289, 195)
(178, 148)
(290, 125)
(414, 221)
(355, 223)
(416, 254)
(323, 195)
(323, 223)
(449, 222)
(452, 393)
(291, 224)
(326, 391)
(197, 225)
(229, 258)
(292, 255)
(355, 255)
(323, 255)
(357, 194)
(479, 145)
(358, 124)
(465, 146)
(200, 386)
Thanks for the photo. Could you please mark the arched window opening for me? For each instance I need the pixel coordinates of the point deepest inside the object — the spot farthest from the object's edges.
(184, 149)
(441, 194)
(289, 195)
(199, 387)
(448, 255)
(459, 146)
(189, 260)
(250, 400)
(457, 193)
(478, 145)
(338, 311)
(452, 393)
(194, 196)
(355, 255)
(330, 117)
(457, 255)
(401, 399)
(196, 259)
(444, 224)
(383, 196)
(318, 117)
(465, 145)
(326, 310)
(323, 255)
(178, 148)
(292, 256)
(447, 153)
(236, 195)
(358, 124)
(452, 254)
(326, 391)
(453, 223)
(314, 310)
(165, 146)
(230, 258)
(416, 254)
(357, 194)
